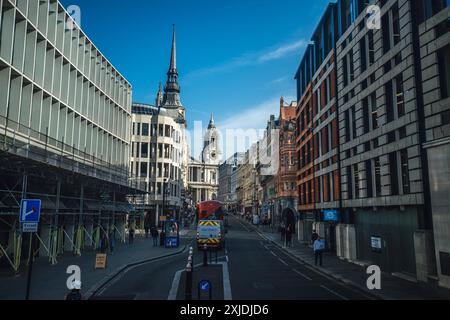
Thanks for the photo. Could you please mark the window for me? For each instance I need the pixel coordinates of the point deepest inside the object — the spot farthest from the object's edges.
(371, 47)
(144, 167)
(393, 173)
(377, 167)
(389, 102)
(138, 131)
(354, 131)
(400, 99)
(363, 54)
(345, 69)
(386, 33)
(366, 115)
(374, 109)
(145, 129)
(444, 71)
(349, 183)
(356, 175)
(405, 171)
(144, 150)
(369, 178)
(428, 8)
(395, 24)
(347, 125)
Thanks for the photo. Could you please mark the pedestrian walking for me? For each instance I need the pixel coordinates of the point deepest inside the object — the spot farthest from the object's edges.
(75, 293)
(289, 232)
(103, 243)
(283, 233)
(131, 235)
(155, 234)
(146, 228)
(319, 247)
(314, 237)
(112, 241)
(162, 238)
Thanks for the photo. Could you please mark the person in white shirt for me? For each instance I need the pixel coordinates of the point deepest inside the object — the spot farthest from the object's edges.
(319, 246)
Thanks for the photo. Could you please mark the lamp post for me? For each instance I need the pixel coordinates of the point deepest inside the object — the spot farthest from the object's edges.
(164, 195)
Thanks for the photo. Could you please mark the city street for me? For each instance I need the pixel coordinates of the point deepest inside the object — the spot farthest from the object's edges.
(258, 270)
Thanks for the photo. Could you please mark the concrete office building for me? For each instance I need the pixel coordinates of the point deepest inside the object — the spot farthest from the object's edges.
(387, 90)
(228, 181)
(157, 161)
(434, 48)
(380, 121)
(65, 120)
(159, 149)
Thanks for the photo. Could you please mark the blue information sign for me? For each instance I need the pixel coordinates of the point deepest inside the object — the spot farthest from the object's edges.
(172, 242)
(30, 211)
(330, 215)
(205, 286)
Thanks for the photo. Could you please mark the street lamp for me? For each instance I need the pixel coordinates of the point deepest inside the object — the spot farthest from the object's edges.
(165, 182)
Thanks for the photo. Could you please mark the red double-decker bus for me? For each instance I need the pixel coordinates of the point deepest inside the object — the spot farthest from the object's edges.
(210, 210)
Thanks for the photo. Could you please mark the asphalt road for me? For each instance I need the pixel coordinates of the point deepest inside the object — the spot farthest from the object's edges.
(258, 270)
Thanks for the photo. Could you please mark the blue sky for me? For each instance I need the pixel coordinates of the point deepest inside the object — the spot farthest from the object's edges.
(235, 58)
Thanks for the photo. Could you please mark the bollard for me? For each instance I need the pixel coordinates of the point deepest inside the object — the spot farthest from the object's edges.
(188, 291)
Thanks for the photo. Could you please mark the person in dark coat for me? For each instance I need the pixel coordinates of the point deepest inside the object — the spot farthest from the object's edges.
(131, 235)
(162, 238)
(155, 234)
(314, 237)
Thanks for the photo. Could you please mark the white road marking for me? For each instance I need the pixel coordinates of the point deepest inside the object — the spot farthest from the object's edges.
(226, 282)
(283, 262)
(302, 274)
(335, 293)
(273, 253)
(175, 284)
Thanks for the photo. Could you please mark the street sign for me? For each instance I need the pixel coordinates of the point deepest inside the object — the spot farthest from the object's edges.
(30, 212)
(100, 261)
(171, 242)
(376, 244)
(330, 215)
(205, 285)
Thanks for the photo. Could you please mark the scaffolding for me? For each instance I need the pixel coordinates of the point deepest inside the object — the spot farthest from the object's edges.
(66, 220)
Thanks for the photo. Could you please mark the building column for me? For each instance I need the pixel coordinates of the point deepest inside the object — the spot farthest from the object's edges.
(424, 252)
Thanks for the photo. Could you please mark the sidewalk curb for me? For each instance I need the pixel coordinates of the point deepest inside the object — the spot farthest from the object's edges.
(96, 287)
(324, 271)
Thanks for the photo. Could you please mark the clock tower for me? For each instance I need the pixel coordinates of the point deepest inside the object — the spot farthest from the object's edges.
(211, 150)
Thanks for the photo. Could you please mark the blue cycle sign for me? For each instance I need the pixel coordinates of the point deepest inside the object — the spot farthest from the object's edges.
(205, 286)
(30, 212)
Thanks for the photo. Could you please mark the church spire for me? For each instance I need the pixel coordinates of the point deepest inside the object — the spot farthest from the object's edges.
(211, 122)
(159, 96)
(171, 98)
(173, 56)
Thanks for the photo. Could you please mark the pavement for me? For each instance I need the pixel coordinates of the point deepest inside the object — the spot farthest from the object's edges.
(49, 282)
(392, 287)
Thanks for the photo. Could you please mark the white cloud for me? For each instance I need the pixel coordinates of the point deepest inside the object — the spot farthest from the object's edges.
(282, 51)
(248, 59)
(250, 123)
